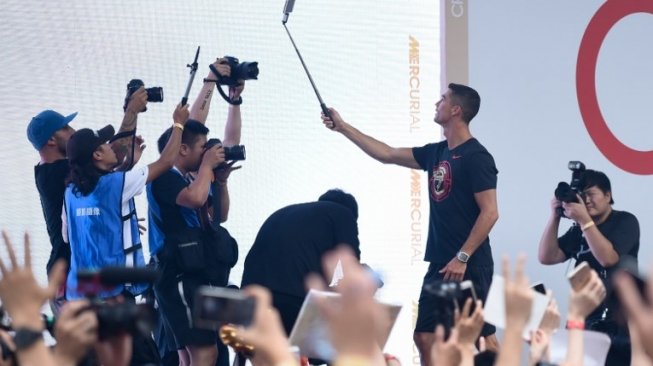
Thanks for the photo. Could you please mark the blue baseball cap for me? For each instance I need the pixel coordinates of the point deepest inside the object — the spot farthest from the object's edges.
(44, 125)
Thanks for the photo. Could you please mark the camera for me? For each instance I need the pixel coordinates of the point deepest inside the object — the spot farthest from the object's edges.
(447, 295)
(239, 71)
(231, 153)
(566, 192)
(113, 317)
(154, 94)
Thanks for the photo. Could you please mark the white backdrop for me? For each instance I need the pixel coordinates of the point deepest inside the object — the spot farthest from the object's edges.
(523, 59)
(79, 55)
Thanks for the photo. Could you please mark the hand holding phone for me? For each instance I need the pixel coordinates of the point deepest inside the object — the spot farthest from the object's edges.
(579, 276)
(216, 306)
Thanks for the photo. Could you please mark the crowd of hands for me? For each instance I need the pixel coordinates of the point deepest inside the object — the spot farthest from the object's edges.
(353, 324)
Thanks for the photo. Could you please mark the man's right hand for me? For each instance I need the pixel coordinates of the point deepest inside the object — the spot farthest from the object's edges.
(137, 101)
(335, 117)
(181, 114)
(213, 157)
(223, 68)
(555, 204)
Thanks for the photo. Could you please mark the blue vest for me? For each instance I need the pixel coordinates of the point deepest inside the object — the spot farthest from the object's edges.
(101, 235)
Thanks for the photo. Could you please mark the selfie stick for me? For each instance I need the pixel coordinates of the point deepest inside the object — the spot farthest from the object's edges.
(193, 70)
(287, 9)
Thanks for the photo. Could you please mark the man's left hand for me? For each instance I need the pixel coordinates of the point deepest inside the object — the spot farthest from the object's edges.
(454, 270)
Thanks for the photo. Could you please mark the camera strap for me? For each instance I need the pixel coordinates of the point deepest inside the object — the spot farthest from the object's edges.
(222, 93)
(122, 135)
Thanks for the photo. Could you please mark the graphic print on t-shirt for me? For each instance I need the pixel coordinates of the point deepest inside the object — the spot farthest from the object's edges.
(441, 181)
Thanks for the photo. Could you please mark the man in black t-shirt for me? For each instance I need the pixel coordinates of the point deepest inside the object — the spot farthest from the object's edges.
(602, 237)
(49, 132)
(290, 245)
(463, 206)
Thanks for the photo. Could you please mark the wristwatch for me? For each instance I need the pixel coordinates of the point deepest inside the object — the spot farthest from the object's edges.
(462, 256)
(25, 337)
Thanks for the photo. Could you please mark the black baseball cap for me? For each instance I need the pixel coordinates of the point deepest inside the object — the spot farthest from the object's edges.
(83, 143)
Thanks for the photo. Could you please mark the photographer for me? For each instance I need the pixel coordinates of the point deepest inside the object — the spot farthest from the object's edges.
(49, 132)
(600, 236)
(100, 216)
(179, 201)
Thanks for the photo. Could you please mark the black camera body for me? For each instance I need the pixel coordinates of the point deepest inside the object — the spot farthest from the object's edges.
(154, 94)
(566, 192)
(447, 295)
(231, 153)
(239, 71)
(116, 318)
(125, 317)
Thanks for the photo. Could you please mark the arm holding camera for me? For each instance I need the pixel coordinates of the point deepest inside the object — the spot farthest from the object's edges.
(123, 146)
(169, 154)
(549, 251)
(602, 249)
(221, 175)
(195, 194)
(200, 108)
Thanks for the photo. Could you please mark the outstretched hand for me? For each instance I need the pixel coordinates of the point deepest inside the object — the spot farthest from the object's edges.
(21, 296)
(334, 122)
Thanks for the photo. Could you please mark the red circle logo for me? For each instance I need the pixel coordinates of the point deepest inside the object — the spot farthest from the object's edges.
(624, 157)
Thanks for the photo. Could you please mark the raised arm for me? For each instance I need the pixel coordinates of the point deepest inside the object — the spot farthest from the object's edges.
(199, 111)
(234, 121)
(169, 154)
(378, 150)
(123, 146)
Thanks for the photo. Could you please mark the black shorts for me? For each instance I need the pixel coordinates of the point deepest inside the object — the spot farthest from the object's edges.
(176, 306)
(426, 317)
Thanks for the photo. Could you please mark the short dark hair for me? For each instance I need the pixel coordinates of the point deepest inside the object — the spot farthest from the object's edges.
(341, 197)
(593, 178)
(192, 130)
(468, 100)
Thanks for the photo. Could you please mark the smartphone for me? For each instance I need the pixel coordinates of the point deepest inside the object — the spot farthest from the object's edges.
(539, 287)
(466, 292)
(216, 306)
(579, 276)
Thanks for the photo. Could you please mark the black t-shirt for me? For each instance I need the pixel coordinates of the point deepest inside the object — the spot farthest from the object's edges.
(165, 190)
(621, 228)
(291, 242)
(50, 181)
(454, 177)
